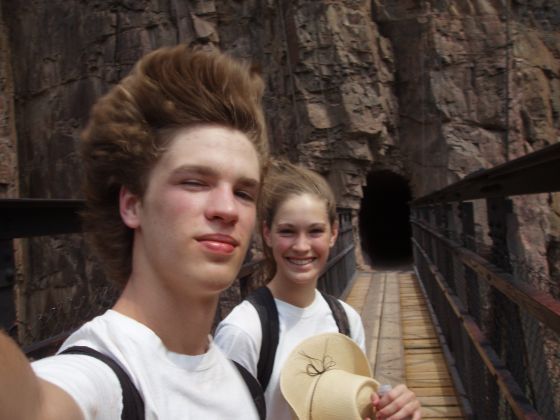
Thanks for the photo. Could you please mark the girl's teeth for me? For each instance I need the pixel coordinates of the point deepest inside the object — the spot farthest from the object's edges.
(301, 262)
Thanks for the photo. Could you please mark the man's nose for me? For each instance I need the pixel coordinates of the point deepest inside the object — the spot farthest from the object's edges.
(222, 205)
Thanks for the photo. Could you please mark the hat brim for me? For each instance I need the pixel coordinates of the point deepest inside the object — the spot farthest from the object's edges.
(311, 357)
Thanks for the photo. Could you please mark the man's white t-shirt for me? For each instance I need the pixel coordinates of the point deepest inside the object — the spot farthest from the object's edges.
(172, 385)
(239, 335)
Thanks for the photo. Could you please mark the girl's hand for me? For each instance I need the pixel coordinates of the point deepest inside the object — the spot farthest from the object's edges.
(398, 404)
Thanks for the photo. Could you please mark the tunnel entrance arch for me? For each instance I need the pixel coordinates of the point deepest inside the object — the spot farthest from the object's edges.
(384, 224)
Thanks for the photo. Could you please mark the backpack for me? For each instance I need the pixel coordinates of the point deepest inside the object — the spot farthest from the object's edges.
(263, 301)
(133, 404)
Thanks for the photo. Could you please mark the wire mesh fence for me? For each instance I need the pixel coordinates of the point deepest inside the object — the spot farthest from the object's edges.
(505, 339)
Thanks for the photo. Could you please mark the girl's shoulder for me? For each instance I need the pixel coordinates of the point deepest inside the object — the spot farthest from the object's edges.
(244, 318)
(350, 311)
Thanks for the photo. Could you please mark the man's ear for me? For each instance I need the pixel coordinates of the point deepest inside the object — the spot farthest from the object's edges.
(266, 235)
(334, 233)
(129, 207)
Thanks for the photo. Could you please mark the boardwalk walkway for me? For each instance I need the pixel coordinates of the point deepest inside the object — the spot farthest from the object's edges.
(401, 341)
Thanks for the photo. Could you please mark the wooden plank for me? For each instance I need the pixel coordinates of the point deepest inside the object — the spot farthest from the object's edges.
(449, 412)
(416, 318)
(438, 391)
(427, 382)
(421, 343)
(389, 365)
(371, 316)
(401, 341)
(413, 360)
(418, 323)
(357, 295)
(421, 337)
(411, 363)
(425, 366)
(431, 356)
(425, 351)
(420, 375)
(419, 329)
(412, 330)
(448, 400)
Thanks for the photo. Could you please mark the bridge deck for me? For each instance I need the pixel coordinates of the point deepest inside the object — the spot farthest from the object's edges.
(401, 340)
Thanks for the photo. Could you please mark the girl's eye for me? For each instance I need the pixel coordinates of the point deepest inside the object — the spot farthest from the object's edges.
(285, 232)
(317, 232)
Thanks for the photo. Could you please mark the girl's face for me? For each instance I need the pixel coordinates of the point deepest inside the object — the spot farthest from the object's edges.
(300, 237)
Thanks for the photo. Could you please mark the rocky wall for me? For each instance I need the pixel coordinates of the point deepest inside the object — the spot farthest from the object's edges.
(431, 90)
(8, 153)
(65, 54)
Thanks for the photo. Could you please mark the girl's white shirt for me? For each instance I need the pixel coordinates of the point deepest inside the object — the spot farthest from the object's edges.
(239, 336)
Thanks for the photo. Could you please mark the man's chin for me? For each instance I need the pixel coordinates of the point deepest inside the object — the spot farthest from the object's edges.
(216, 281)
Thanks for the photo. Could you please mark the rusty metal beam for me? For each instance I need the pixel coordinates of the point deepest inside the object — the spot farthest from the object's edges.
(541, 305)
(507, 384)
(537, 172)
(25, 217)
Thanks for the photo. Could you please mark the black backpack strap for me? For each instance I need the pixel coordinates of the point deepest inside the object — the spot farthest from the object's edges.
(263, 301)
(339, 314)
(254, 388)
(133, 404)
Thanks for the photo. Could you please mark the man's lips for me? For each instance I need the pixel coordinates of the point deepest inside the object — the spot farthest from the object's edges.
(219, 243)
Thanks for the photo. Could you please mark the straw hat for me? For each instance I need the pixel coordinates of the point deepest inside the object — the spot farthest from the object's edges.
(328, 377)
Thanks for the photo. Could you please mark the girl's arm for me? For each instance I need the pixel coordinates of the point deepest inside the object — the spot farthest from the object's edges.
(239, 336)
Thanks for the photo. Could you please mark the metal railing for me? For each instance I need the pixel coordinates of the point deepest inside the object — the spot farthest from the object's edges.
(502, 330)
(24, 218)
(341, 266)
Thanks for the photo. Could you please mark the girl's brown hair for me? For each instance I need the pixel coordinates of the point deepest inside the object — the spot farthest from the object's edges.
(283, 181)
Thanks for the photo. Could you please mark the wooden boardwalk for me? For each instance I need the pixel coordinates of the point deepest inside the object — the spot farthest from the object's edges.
(401, 342)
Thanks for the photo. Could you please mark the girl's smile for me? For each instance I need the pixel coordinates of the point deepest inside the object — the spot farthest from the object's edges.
(300, 237)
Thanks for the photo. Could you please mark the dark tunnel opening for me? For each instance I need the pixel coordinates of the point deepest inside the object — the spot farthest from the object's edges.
(384, 220)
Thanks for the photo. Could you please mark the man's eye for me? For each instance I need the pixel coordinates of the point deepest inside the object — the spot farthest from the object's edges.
(245, 195)
(192, 183)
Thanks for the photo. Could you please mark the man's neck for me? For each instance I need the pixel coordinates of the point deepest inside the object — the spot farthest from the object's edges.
(183, 323)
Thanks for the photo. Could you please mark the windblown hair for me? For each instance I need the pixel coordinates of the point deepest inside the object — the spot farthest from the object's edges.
(130, 127)
(283, 181)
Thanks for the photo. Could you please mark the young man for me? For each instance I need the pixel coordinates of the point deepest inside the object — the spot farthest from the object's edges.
(173, 161)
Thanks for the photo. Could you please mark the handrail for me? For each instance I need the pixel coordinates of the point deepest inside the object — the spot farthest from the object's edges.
(506, 382)
(26, 217)
(492, 312)
(537, 172)
(542, 305)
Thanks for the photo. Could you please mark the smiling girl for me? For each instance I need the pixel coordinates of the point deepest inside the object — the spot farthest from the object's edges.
(298, 227)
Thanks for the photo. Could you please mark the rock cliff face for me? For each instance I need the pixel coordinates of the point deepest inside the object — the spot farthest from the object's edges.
(8, 154)
(428, 90)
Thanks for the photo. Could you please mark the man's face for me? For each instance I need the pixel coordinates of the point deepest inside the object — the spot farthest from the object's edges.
(194, 223)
